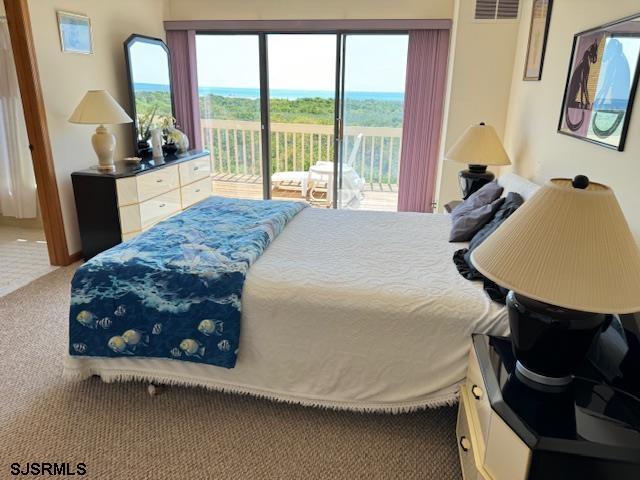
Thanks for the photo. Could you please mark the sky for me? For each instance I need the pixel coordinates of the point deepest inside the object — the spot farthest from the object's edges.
(150, 62)
(374, 63)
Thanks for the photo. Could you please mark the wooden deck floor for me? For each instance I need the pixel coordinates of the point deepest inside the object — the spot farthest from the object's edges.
(376, 196)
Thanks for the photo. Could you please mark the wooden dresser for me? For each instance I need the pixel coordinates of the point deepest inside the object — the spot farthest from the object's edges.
(115, 206)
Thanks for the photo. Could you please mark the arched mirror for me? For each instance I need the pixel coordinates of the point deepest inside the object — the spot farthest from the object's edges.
(148, 67)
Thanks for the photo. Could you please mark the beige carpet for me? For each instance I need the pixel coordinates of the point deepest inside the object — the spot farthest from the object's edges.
(119, 431)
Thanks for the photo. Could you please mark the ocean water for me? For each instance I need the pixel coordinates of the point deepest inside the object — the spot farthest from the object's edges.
(254, 93)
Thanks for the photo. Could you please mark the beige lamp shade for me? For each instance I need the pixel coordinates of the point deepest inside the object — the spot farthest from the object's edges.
(567, 247)
(98, 107)
(479, 145)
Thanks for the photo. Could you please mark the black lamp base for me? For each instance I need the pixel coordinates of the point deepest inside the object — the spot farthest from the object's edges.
(473, 179)
(550, 342)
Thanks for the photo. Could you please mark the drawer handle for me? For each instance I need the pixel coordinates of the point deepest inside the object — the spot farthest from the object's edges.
(197, 190)
(196, 168)
(162, 205)
(465, 444)
(159, 180)
(477, 392)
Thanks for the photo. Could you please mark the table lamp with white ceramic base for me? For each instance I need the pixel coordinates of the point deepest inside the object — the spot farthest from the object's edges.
(98, 107)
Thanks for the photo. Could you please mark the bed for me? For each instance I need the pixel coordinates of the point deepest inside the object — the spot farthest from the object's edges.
(353, 310)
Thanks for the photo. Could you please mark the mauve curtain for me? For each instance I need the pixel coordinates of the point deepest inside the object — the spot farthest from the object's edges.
(184, 82)
(423, 110)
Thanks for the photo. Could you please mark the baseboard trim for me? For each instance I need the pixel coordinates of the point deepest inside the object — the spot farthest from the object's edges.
(75, 257)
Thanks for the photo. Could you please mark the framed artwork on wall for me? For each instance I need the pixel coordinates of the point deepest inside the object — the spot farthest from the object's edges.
(75, 33)
(601, 83)
(538, 31)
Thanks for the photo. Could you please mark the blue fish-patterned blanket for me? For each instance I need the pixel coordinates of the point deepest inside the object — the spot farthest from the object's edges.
(175, 290)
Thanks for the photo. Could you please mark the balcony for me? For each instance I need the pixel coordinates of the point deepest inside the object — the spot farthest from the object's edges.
(235, 148)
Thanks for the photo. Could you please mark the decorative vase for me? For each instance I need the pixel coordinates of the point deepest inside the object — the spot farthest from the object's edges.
(170, 148)
(156, 142)
(144, 149)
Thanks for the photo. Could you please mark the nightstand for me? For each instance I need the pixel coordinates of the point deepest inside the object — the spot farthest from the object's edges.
(510, 430)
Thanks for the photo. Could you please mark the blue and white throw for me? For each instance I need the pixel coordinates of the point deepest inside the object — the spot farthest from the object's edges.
(175, 291)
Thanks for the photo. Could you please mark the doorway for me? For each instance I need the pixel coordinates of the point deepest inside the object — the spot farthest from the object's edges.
(371, 116)
(304, 116)
(40, 238)
(23, 248)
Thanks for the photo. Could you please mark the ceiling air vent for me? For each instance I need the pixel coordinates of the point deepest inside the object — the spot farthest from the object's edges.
(497, 9)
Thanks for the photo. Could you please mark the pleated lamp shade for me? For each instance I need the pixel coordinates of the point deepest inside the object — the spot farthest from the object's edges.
(568, 247)
(479, 145)
(98, 107)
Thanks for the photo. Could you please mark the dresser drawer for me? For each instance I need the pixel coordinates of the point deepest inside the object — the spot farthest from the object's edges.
(159, 208)
(129, 236)
(480, 407)
(129, 219)
(195, 170)
(507, 456)
(466, 443)
(157, 182)
(196, 192)
(127, 191)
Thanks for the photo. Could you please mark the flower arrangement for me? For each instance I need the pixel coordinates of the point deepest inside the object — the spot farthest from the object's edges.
(173, 135)
(145, 123)
(174, 139)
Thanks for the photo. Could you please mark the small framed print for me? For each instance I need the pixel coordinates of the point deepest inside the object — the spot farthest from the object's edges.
(75, 33)
(538, 31)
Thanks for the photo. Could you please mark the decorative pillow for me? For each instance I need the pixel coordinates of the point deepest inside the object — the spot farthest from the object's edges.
(464, 227)
(484, 196)
(462, 258)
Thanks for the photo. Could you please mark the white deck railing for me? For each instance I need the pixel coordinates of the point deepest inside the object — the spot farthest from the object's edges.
(235, 147)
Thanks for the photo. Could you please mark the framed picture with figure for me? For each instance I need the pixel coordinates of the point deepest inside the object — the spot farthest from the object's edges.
(75, 33)
(538, 31)
(601, 83)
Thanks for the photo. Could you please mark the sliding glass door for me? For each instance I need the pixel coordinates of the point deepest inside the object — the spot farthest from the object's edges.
(229, 91)
(304, 116)
(302, 113)
(372, 102)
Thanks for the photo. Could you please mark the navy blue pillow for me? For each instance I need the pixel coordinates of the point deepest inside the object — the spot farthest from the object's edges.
(484, 196)
(462, 258)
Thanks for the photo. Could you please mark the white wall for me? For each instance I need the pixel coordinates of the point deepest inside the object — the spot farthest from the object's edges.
(480, 70)
(307, 9)
(65, 77)
(537, 150)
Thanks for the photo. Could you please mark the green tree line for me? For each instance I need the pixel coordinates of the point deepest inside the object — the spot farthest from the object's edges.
(319, 111)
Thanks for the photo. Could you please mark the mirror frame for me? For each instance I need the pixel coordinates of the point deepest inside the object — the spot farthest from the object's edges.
(132, 94)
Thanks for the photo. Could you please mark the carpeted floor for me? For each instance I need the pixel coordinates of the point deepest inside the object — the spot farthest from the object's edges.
(119, 431)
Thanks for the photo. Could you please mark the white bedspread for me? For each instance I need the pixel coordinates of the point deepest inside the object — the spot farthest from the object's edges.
(345, 309)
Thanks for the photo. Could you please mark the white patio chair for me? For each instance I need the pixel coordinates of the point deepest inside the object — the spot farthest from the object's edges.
(304, 178)
(295, 178)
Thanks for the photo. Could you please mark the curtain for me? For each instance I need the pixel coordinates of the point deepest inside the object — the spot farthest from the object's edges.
(18, 197)
(184, 83)
(423, 110)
